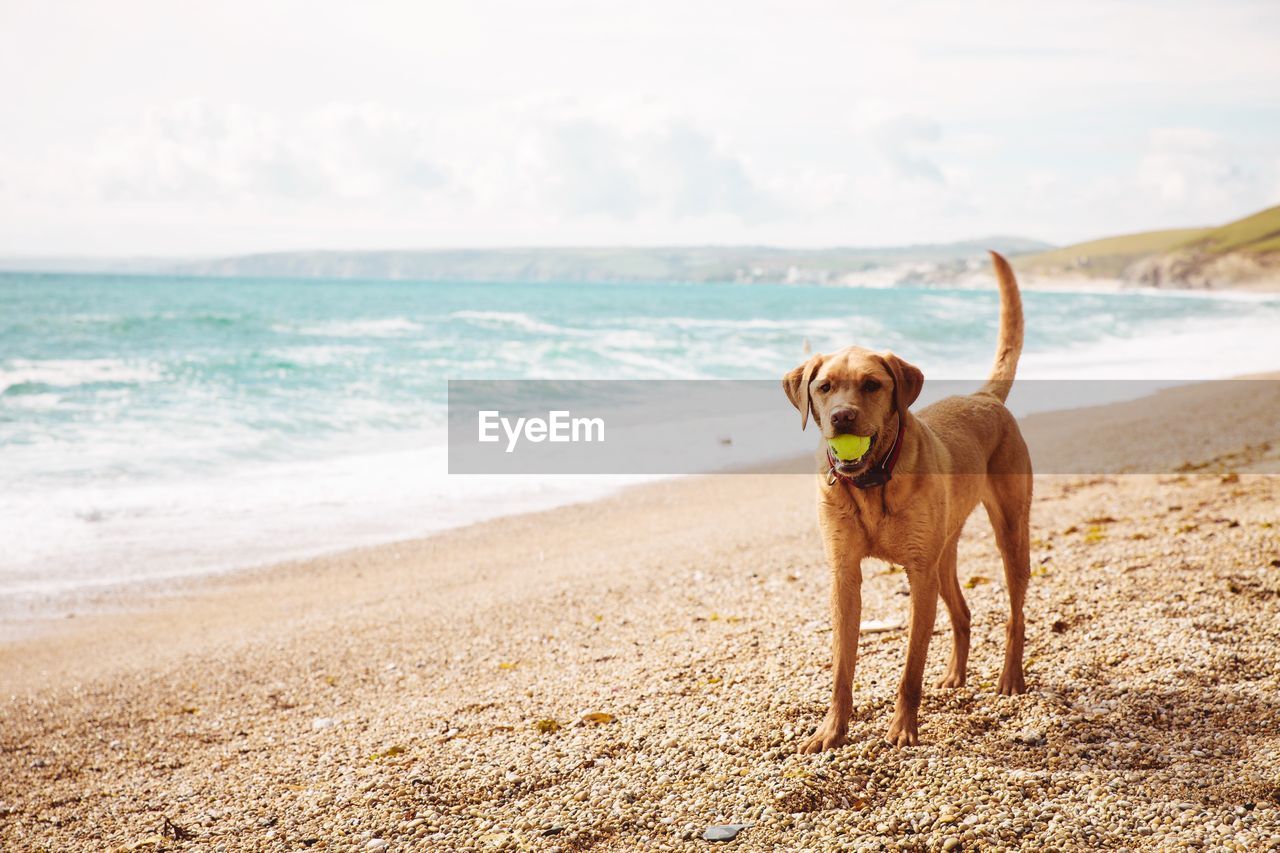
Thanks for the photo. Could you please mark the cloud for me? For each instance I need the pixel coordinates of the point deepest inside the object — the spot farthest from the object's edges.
(622, 161)
(194, 152)
(1173, 177)
(1189, 166)
(203, 177)
(571, 123)
(702, 177)
(903, 141)
(585, 167)
(618, 160)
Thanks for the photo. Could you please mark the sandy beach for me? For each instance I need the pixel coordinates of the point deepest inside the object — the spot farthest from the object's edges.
(625, 674)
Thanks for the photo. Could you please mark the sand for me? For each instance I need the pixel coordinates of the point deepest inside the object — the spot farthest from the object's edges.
(625, 674)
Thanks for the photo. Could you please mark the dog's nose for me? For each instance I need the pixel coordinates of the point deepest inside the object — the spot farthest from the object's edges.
(844, 419)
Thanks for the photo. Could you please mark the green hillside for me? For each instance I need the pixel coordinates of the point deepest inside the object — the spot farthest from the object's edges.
(1257, 234)
(1108, 257)
(1251, 238)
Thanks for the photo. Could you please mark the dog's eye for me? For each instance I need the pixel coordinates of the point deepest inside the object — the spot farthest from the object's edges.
(824, 387)
(870, 386)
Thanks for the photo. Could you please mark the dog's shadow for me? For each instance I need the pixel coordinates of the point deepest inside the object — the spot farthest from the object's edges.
(1204, 733)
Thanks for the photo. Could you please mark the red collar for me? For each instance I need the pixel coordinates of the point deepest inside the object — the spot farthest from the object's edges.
(876, 475)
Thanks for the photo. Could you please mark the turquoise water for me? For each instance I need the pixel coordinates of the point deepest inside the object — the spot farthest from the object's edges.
(143, 420)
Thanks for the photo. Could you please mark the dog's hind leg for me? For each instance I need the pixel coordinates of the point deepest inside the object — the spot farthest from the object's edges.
(1009, 508)
(949, 586)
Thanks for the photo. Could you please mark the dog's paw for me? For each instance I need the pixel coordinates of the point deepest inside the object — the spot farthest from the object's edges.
(1011, 684)
(903, 730)
(828, 736)
(952, 679)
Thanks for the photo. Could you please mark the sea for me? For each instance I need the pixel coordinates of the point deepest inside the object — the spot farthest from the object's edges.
(153, 427)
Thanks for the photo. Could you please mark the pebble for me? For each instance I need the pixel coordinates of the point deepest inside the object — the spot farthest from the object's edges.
(725, 832)
(707, 713)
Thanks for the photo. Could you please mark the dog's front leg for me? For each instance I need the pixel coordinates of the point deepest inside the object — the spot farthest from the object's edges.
(903, 729)
(845, 557)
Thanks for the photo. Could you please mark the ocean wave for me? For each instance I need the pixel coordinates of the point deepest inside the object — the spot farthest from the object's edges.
(35, 402)
(515, 319)
(1245, 296)
(134, 322)
(832, 324)
(21, 374)
(388, 327)
(1177, 349)
(123, 530)
(639, 331)
(648, 367)
(317, 355)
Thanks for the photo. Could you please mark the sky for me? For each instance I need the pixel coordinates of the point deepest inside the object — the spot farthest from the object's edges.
(158, 128)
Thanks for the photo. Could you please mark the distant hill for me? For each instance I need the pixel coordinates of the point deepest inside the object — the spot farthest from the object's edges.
(1244, 253)
(926, 263)
(692, 264)
(1108, 257)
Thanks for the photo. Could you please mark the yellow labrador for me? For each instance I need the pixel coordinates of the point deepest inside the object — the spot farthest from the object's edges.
(906, 499)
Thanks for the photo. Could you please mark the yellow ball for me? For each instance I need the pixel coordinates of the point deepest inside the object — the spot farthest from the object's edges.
(850, 448)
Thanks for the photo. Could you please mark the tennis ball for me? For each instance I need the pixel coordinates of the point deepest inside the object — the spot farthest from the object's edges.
(849, 448)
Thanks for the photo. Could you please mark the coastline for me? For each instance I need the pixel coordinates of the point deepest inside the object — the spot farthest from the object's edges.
(393, 692)
(1031, 280)
(1055, 436)
(1266, 288)
(167, 519)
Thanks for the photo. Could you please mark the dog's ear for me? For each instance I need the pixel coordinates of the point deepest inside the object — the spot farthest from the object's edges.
(907, 381)
(796, 386)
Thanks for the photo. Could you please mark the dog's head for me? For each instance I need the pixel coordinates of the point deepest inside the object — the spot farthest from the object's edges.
(855, 392)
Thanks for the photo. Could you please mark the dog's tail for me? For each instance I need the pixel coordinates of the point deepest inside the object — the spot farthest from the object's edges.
(1009, 346)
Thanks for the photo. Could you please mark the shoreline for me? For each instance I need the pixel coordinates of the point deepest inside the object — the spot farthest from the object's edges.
(1027, 280)
(31, 616)
(24, 609)
(1264, 289)
(1249, 293)
(626, 672)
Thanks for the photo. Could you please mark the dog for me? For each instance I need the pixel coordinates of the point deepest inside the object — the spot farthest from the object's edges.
(907, 499)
